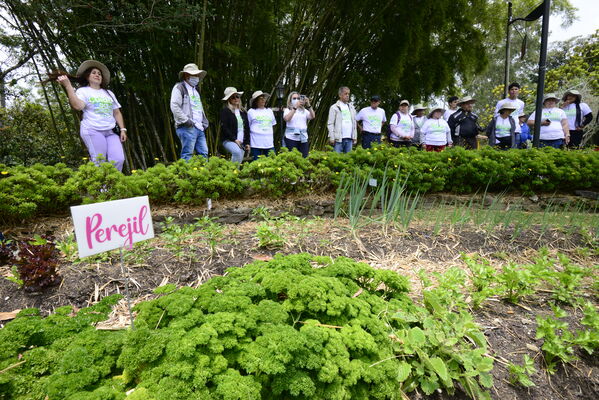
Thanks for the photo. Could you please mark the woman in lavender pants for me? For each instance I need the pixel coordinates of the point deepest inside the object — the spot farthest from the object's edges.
(101, 112)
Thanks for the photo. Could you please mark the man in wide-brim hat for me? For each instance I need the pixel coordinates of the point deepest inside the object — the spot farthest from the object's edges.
(579, 116)
(464, 124)
(188, 112)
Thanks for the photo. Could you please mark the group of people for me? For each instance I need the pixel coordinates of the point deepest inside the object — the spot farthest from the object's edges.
(103, 129)
(509, 128)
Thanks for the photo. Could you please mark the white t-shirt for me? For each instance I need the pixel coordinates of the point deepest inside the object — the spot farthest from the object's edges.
(239, 125)
(197, 109)
(261, 133)
(346, 122)
(299, 120)
(570, 111)
(405, 126)
(553, 131)
(435, 132)
(519, 103)
(372, 119)
(448, 113)
(503, 127)
(99, 106)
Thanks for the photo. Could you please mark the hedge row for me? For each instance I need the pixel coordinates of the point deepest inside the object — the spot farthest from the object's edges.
(29, 191)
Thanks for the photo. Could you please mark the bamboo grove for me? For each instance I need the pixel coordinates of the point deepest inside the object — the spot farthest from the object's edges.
(391, 47)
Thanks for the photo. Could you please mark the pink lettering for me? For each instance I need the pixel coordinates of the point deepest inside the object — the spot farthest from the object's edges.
(94, 231)
(90, 227)
(100, 236)
(142, 214)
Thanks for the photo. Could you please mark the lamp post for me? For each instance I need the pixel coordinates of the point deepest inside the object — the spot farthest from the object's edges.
(506, 75)
(280, 89)
(542, 10)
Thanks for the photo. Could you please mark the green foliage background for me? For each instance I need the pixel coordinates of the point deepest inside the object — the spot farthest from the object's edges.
(393, 48)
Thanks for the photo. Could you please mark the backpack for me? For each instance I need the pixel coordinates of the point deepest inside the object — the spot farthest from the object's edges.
(389, 131)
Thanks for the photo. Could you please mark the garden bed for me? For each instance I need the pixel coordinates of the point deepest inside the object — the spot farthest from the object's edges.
(188, 252)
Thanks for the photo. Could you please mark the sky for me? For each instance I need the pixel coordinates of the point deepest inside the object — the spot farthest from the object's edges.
(587, 23)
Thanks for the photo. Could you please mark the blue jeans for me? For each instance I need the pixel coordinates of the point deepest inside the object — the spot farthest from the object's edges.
(297, 144)
(344, 146)
(556, 144)
(260, 152)
(368, 138)
(237, 152)
(192, 139)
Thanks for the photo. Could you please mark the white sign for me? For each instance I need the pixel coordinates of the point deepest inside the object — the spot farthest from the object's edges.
(106, 226)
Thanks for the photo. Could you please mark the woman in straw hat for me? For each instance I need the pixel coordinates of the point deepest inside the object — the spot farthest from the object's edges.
(554, 123)
(435, 134)
(102, 117)
(503, 130)
(261, 121)
(297, 114)
(579, 115)
(235, 127)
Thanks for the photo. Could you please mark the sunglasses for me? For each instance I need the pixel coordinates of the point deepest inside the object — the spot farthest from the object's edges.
(295, 98)
(235, 96)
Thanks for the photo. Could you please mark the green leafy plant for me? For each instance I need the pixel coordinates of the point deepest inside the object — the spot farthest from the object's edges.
(516, 282)
(68, 247)
(212, 232)
(557, 339)
(269, 236)
(520, 374)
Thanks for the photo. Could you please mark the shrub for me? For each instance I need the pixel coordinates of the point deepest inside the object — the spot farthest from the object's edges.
(29, 191)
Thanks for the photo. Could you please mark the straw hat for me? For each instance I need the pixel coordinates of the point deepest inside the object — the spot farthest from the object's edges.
(572, 92)
(550, 96)
(466, 99)
(230, 91)
(257, 94)
(192, 69)
(508, 106)
(85, 65)
(418, 107)
(430, 115)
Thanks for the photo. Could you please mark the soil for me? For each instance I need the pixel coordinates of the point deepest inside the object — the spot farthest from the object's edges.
(509, 328)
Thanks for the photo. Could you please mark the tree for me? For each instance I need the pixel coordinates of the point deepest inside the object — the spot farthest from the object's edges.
(17, 53)
(522, 70)
(394, 49)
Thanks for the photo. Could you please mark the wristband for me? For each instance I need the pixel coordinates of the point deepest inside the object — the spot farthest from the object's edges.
(123, 130)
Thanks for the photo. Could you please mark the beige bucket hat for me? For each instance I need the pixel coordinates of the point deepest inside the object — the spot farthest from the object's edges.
(401, 103)
(466, 99)
(85, 65)
(257, 94)
(418, 107)
(572, 92)
(230, 91)
(430, 115)
(192, 69)
(508, 106)
(550, 96)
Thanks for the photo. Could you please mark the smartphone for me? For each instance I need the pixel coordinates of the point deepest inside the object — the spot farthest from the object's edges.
(302, 97)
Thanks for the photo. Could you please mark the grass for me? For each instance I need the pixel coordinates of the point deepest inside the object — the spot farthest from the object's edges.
(389, 203)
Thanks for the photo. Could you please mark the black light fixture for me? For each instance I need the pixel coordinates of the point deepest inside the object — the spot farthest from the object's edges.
(280, 90)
